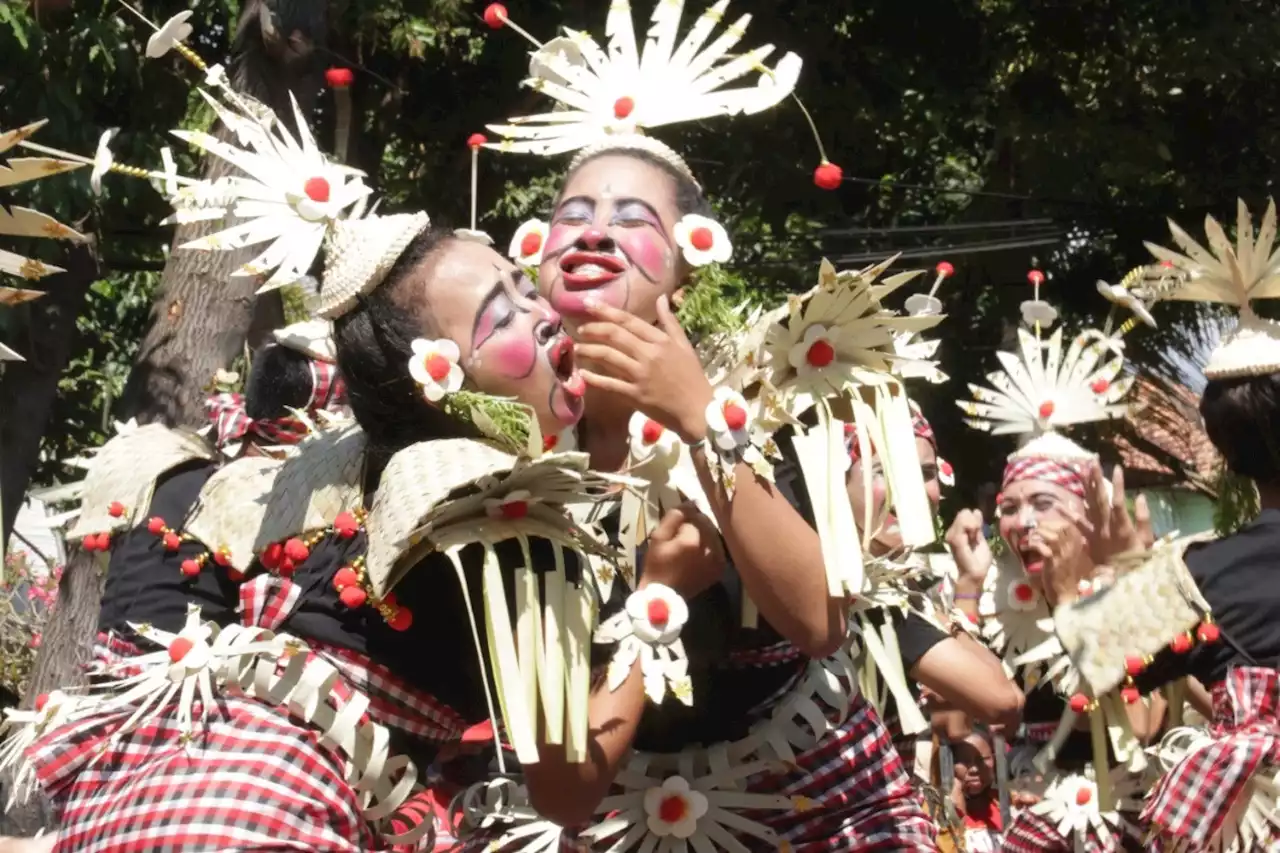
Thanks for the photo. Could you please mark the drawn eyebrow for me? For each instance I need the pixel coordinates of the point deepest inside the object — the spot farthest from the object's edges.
(494, 293)
(577, 198)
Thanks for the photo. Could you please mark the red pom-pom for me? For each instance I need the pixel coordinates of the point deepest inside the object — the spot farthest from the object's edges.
(190, 568)
(1208, 632)
(946, 469)
(828, 176)
(272, 555)
(495, 15)
(345, 577)
(90, 542)
(172, 541)
(1181, 644)
(401, 619)
(1079, 703)
(651, 431)
(41, 701)
(317, 189)
(549, 443)
(530, 243)
(345, 525)
(1083, 796)
(235, 574)
(623, 107)
(286, 567)
(945, 269)
(1099, 386)
(515, 510)
(339, 78)
(1134, 665)
(222, 557)
(821, 353)
(1035, 277)
(116, 510)
(155, 525)
(658, 612)
(673, 809)
(1046, 409)
(735, 417)
(1130, 695)
(295, 549)
(1023, 592)
(353, 597)
(476, 140)
(178, 649)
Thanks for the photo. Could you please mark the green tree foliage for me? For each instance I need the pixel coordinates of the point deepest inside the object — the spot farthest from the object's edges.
(1083, 123)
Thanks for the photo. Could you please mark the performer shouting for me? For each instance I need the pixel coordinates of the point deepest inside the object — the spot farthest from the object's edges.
(1209, 608)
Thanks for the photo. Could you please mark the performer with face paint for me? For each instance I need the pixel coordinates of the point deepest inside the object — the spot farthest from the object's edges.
(290, 713)
(1205, 609)
(1088, 750)
(627, 248)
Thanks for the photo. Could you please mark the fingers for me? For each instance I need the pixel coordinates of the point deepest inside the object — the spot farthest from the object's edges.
(608, 383)
(1142, 522)
(669, 525)
(624, 319)
(621, 365)
(1079, 519)
(613, 335)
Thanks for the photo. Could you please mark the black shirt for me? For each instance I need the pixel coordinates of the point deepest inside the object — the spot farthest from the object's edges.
(1239, 575)
(145, 581)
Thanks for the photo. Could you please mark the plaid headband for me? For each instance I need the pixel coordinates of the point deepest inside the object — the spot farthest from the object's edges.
(232, 423)
(1068, 475)
(919, 426)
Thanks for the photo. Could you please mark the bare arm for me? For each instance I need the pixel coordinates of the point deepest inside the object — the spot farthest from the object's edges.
(567, 793)
(779, 558)
(970, 678)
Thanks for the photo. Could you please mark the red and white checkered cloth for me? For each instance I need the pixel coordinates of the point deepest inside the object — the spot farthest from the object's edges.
(862, 798)
(1192, 800)
(919, 426)
(1068, 475)
(1033, 833)
(232, 423)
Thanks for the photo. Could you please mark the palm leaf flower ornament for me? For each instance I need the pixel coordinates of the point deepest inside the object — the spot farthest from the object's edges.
(1226, 274)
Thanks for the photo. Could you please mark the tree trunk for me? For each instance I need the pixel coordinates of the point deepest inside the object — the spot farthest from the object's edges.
(29, 388)
(199, 323)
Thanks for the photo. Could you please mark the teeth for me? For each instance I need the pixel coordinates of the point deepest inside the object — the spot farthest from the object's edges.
(591, 270)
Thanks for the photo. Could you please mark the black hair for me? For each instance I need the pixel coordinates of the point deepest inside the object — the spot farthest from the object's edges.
(689, 196)
(374, 342)
(279, 380)
(1242, 418)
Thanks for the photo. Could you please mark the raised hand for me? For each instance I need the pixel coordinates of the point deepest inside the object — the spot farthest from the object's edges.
(1065, 550)
(655, 367)
(685, 552)
(1110, 528)
(969, 546)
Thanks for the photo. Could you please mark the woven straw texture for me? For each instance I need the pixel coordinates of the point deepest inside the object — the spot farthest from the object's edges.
(231, 507)
(360, 254)
(126, 470)
(1138, 615)
(321, 480)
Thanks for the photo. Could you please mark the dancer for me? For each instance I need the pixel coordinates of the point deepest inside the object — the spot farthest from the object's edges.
(1208, 608)
(289, 727)
(629, 232)
(1053, 483)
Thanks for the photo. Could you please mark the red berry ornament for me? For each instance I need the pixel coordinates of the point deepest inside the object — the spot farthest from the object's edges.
(272, 555)
(945, 269)
(821, 353)
(1083, 796)
(41, 701)
(658, 613)
(476, 140)
(116, 509)
(702, 239)
(1078, 703)
(190, 568)
(1035, 277)
(339, 78)
(1100, 386)
(1134, 665)
(1024, 593)
(672, 809)
(735, 417)
(495, 15)
(345, 525)
(437, 367)
(155, 525)
(317, 189)
(1208, 632)
(1046, 410)
(1181, 644)
(401, 619)
(549, 443)
(172, 541)
(651, 431)
(286, 567)
(623, 107)
(530, 243)
(353, 597)
(296, 550)
(222, 557)
(178, 649)
(828, 176)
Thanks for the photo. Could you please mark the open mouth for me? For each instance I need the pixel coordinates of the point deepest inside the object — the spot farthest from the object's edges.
(585, 270)
(565, 366)
(1032, 560)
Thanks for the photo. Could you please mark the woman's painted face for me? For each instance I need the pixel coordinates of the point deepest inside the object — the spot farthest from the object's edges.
(511, 341)
(974, 764)
(611, 237)
(1027, 503)
(889, 536)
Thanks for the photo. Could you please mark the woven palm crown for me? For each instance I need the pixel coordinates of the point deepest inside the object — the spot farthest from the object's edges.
(1230, 275)
(608, 97)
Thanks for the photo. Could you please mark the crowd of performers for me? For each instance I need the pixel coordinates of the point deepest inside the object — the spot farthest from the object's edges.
(551, 550)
